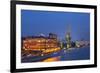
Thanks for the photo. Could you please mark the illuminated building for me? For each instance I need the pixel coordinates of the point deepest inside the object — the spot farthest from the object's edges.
(68, 38)
(42, 44)
(82, 43)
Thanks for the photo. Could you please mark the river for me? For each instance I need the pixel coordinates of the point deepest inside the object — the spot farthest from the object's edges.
(63, 55)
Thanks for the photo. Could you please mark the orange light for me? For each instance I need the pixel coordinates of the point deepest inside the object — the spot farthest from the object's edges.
(52, 59)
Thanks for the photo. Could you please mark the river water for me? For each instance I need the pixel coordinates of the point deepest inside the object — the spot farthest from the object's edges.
(75, 54)
(63, 55)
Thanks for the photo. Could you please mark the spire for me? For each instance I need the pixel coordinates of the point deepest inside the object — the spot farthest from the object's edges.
(68, 29)
(68, 37)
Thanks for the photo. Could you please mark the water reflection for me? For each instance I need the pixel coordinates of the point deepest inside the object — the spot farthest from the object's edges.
(62, 55)
(52, 59)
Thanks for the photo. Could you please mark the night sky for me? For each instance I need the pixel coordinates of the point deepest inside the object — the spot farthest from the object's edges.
(36, 22)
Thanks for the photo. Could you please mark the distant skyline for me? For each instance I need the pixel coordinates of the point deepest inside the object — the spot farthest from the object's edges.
(36, 22)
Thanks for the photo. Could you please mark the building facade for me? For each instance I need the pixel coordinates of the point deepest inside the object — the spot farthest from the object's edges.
(43, 44)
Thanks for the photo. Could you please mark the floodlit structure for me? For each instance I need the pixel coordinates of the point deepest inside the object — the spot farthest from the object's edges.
(41, 44)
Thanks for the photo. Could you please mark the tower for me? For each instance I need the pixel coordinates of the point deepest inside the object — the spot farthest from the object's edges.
(68, 38)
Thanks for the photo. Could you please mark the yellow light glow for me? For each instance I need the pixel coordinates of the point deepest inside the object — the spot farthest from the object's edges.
(52, 59)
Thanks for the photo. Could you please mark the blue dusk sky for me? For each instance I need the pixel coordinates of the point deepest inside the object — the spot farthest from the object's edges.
(36, 22)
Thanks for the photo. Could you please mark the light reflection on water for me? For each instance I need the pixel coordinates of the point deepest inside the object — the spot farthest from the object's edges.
(63, 55)
(52, 59)
(74, 54)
